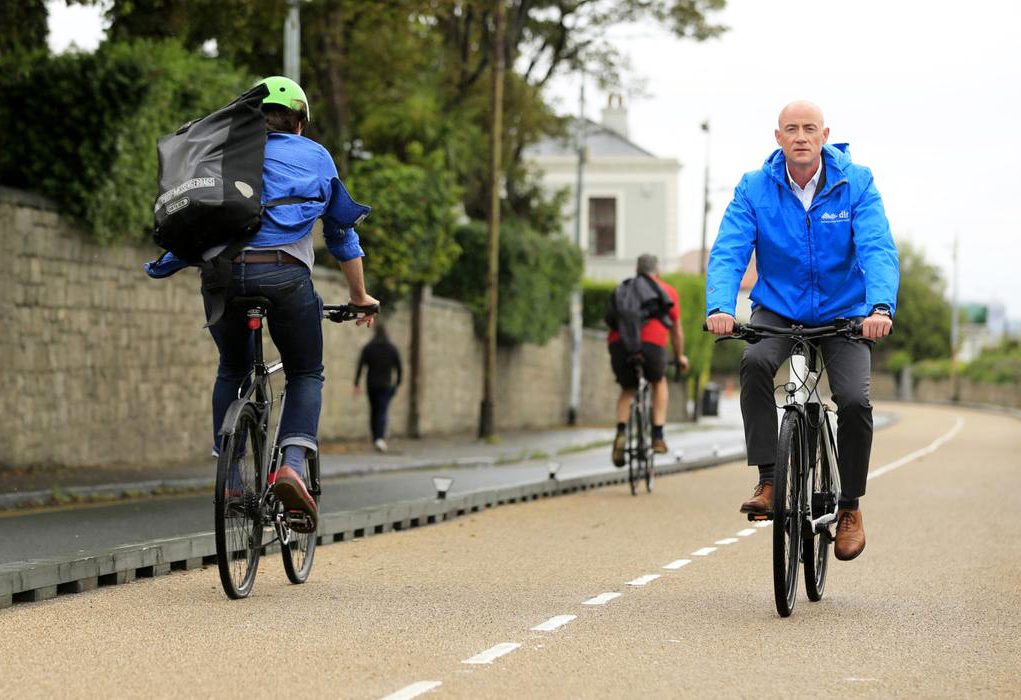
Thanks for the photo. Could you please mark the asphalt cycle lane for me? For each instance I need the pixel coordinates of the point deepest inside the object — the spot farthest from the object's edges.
(101, 527)
(928, 608)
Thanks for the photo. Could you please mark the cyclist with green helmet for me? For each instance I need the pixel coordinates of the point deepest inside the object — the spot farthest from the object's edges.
(277, 264)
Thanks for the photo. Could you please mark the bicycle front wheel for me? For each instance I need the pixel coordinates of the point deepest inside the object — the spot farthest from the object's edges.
(816, 549)
(634, 448)
(300, 548)
(238, 506)
(787, 513)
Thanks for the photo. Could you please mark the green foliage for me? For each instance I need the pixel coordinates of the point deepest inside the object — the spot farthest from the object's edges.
(22, 26)
(998, 365)
(409, 238)
(932, 369)
(595, 300)
(898, 360)
(698, 345)
(536, 276)
(95, 121)
(922, 325)
(727, 356)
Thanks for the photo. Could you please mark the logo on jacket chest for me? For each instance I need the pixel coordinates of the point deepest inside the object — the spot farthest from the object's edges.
(831, 218)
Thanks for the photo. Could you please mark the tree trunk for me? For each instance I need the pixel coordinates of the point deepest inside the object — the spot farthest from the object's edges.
(415, 363)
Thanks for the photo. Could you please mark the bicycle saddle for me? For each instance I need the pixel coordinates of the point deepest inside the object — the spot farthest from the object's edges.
(248, 303)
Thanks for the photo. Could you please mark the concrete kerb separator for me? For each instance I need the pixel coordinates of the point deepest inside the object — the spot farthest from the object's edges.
(36, 580)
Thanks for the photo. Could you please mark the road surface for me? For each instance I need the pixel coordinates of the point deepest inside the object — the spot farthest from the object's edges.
(931, 608)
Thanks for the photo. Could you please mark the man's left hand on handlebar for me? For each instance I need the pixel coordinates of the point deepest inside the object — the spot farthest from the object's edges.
(876, 326)
(682, 362)
(364, 299)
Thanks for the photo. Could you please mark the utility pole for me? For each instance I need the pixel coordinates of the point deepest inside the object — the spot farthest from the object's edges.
(954, 331)
(705, 200)
(576, 299)
(487, 424)
(292, 41)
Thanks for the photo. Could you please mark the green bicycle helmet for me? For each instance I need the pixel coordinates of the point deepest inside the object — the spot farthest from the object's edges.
(286, 92)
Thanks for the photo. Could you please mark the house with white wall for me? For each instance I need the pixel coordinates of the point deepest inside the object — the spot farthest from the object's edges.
(629, 195)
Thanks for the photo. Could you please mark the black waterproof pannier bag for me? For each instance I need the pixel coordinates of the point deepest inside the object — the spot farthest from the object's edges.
(635, 302)
(210, 179)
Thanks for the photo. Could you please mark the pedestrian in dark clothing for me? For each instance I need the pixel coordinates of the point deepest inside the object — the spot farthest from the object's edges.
(382, 359)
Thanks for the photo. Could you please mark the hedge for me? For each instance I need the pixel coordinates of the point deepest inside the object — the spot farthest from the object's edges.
(81, 128)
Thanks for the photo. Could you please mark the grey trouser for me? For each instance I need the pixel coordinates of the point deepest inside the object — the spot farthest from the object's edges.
(847, 363)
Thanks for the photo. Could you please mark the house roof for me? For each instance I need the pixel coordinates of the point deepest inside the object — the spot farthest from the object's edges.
(602, 142)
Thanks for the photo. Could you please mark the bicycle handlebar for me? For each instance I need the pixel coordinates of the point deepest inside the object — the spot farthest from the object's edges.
(338, 313)
(748, 331)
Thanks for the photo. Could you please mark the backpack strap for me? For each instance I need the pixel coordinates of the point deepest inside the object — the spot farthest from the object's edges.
(290, 200)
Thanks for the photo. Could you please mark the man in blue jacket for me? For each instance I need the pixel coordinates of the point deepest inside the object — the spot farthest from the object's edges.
(823, 251)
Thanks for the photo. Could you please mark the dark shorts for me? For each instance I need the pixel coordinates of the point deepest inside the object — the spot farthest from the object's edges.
(653, 364)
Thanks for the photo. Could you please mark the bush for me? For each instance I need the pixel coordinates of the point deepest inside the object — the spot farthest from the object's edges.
(93, 120)
(595, 300)
(999, 365)
(932, 369)
(536, 277)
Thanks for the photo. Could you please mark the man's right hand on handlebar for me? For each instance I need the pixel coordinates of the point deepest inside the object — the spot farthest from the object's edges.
(720, 324)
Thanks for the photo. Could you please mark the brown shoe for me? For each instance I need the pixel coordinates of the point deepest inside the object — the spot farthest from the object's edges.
(289, 487)
(850, 535)
(659, 446)
(761, 502)
(619, 443)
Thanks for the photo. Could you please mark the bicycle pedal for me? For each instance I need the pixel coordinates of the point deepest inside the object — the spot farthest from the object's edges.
(298, 520)
(759, 517)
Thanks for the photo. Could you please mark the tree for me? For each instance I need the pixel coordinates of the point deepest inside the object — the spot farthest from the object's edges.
(23, 26)
(922, 323)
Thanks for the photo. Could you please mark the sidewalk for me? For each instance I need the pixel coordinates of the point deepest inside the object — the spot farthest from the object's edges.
(50, 487)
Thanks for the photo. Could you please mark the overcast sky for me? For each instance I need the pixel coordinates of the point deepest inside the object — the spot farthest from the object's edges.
(928, 94)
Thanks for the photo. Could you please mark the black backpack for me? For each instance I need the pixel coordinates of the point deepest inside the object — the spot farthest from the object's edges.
(635, 302)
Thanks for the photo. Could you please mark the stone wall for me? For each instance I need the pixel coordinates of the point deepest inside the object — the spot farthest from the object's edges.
(102, 364)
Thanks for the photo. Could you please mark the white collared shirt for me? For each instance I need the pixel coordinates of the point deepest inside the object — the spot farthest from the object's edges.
(806, 194)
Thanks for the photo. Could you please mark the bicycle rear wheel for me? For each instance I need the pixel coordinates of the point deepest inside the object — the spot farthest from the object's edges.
(300, 548)
(237, 503)
(787, 497)
(816, 548)
(648, 454)
(634, 448)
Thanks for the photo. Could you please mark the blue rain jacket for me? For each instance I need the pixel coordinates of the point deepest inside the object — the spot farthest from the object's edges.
(295, 166)
(836, 260)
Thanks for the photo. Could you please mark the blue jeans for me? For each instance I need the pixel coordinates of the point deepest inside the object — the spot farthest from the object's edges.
(295, 324)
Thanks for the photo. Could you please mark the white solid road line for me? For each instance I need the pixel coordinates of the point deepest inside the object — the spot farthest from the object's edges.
(554, 622)
(642, 580)
(704, 552)
(493, 653)
(601, 599)
(932, 447)
(675, 565)
(746, 532)
(764, 523)
(414, 690)
(727, 540)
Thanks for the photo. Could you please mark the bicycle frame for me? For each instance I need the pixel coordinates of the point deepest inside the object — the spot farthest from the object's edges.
(801, 388)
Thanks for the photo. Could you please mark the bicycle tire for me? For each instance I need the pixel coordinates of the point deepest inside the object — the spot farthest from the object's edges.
(816, 549)
(649, 462)
(237, 505)
(787, 513)
(634, 447)
(299, 551)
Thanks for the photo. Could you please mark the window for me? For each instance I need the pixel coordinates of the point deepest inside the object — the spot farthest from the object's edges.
(602, 225)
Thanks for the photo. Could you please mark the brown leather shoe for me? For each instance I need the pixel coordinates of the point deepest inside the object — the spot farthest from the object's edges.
(289, 487)
(850, 535)
(619, 443)
(659, 446)
(761, 502)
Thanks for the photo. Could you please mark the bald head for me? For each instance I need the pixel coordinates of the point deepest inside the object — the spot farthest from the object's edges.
(801, 134)
(801, 110)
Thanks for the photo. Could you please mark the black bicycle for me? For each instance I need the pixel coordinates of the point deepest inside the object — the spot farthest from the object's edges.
(244, 503)
(806, 478)
(640, 466)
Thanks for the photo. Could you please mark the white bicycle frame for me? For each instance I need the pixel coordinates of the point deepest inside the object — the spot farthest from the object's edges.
(802, 386)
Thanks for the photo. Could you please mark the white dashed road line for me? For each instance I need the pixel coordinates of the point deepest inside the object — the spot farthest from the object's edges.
(675, 565)
(727, 540)
(642, 580)
(493, 653)
(704, 552)
(601, 599)
(414, 690)
(746, 532)
(553, 623)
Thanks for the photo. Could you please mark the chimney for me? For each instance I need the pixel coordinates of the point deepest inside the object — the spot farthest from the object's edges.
(615, 115)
